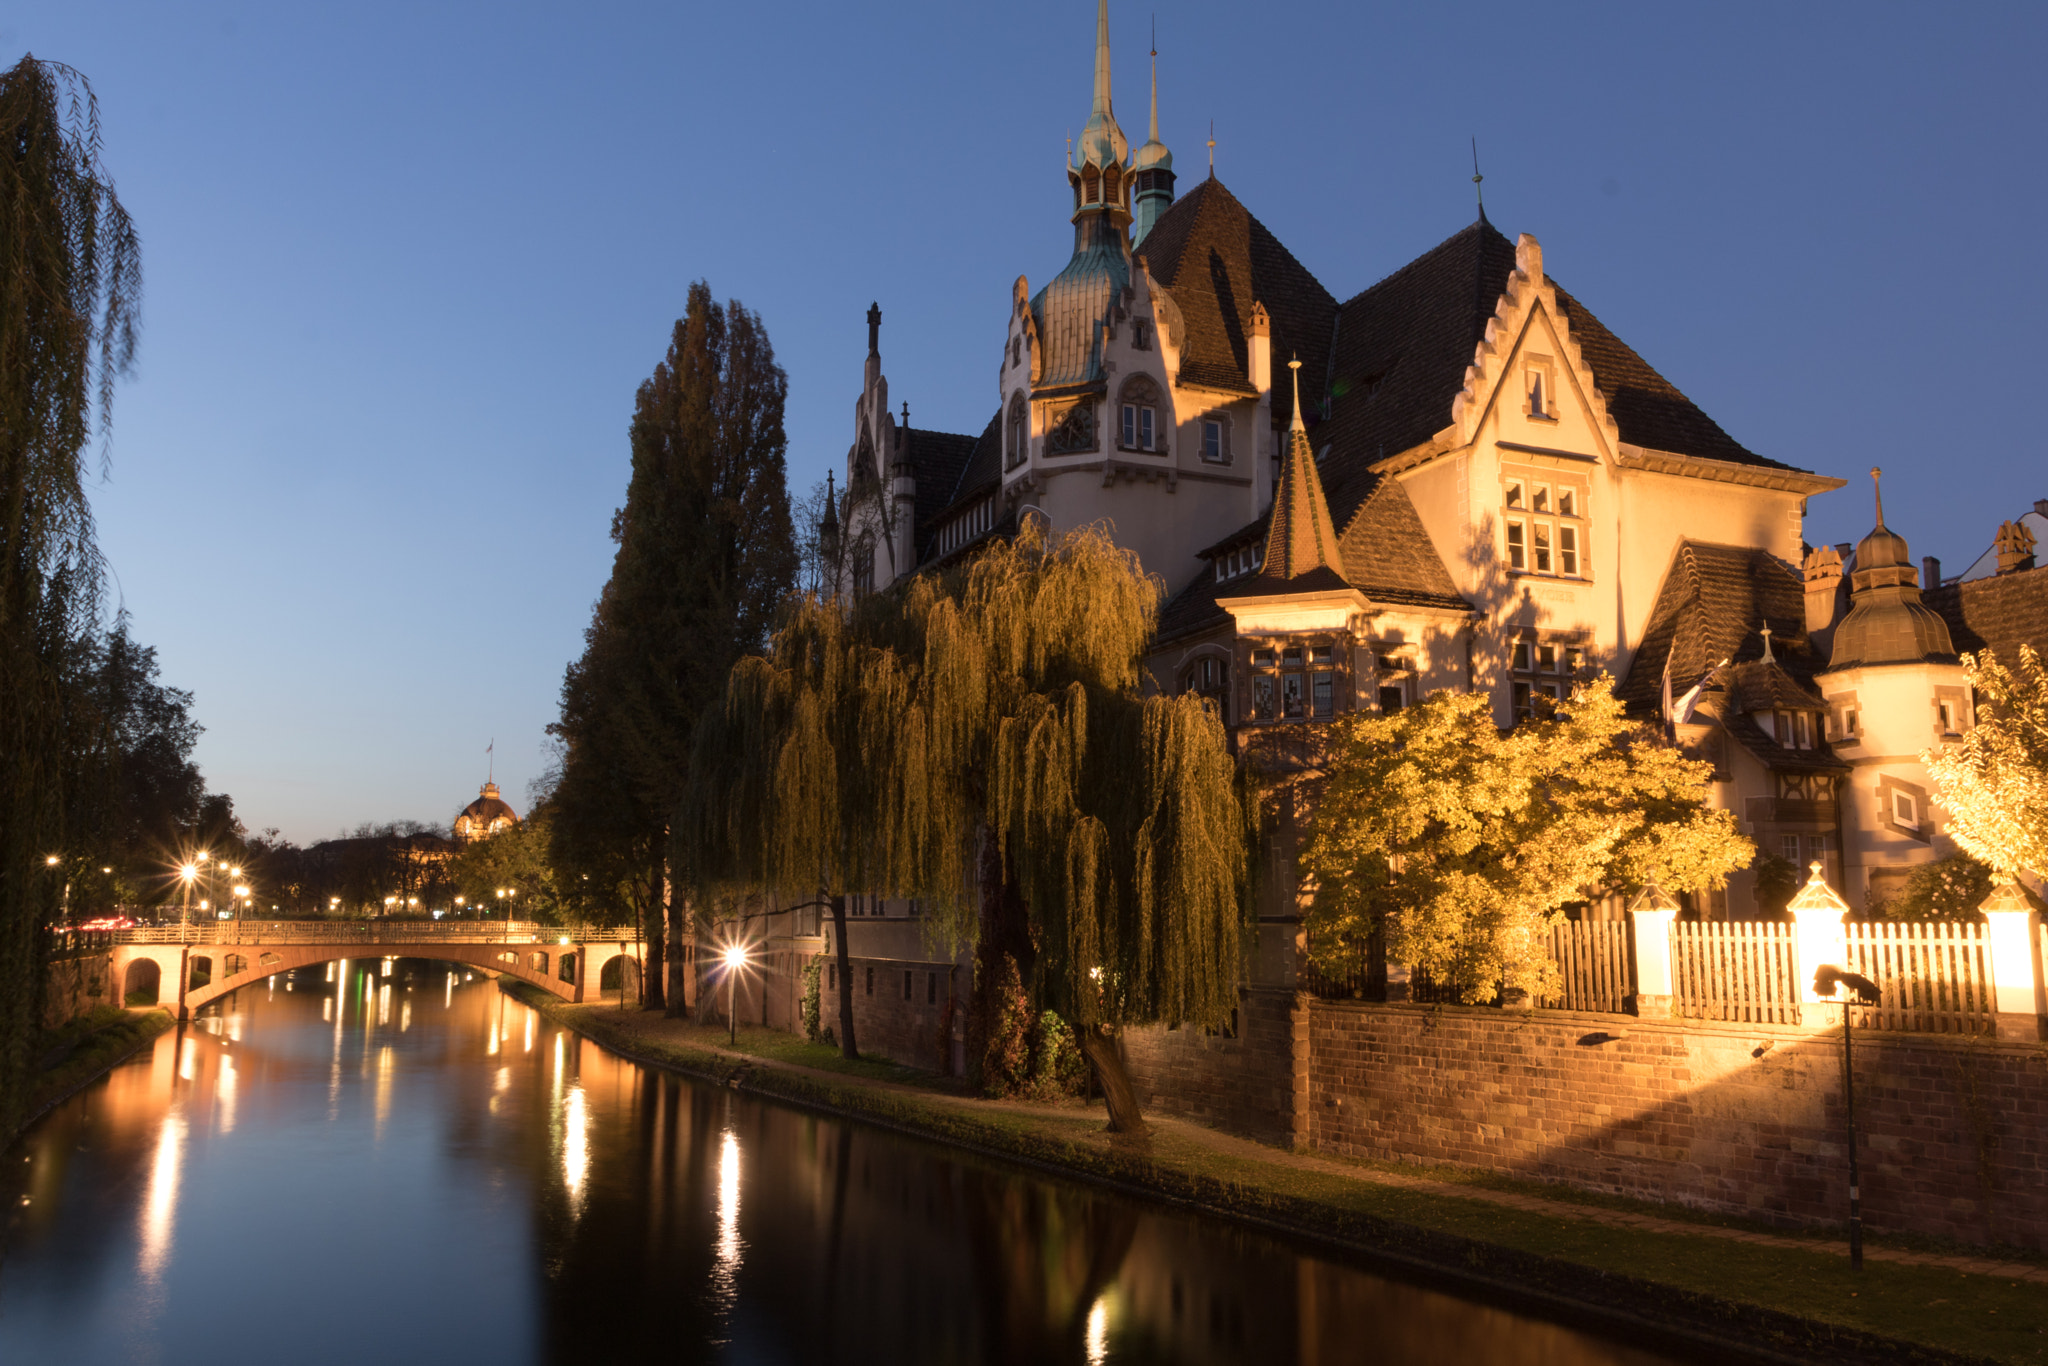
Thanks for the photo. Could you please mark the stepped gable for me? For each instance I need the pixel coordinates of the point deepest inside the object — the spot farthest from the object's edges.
(1713, 603)
(1998, 614)
(1403, 345)
(1217, 260)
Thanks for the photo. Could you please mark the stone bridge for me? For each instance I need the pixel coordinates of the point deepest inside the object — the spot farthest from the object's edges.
(187, 966)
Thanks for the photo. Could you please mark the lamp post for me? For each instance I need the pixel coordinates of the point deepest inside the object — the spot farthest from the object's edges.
(1827, 980)
(735, 959)
(187, 875)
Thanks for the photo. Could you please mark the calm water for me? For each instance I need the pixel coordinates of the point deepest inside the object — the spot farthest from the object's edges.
(411, 1167)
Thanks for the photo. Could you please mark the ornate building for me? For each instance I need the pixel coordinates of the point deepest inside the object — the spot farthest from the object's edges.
(1457, 477)
(488, 815)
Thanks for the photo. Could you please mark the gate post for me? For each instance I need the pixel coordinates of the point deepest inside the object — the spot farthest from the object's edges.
(1649, 943)
(1817, 934)
(2012, 941)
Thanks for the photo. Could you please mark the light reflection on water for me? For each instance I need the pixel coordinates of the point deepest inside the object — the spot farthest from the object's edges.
(308, 1167)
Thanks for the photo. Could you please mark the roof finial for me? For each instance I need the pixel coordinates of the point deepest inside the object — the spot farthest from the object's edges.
(1875, 475)
(1155, 78)
(1296, 425)
(1477, 178)
(1212, 149)
(1768, 657)
(906, 414)
(1101, 57)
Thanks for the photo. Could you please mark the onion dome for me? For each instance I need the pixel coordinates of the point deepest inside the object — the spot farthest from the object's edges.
(486, 816)
(1074, 312)
(1887, 621)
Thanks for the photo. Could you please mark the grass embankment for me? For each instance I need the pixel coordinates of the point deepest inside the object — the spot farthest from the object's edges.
(1574, 1254)
(70, 1057)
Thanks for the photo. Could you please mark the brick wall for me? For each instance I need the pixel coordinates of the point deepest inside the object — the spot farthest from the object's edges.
(1245, 1084)
(1744, 1119)
(919, 1031)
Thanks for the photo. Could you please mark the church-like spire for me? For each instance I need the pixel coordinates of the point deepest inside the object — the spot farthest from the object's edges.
(1098, 169)
(1301, 542)
(1151, 171)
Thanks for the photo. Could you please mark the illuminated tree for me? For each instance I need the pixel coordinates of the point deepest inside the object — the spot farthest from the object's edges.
(1994, 781)
(979, 741)
(1462, 845)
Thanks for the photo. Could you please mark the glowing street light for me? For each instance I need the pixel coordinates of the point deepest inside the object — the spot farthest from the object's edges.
(735, 959)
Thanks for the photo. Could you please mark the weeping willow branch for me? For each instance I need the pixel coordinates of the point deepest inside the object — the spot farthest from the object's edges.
(880, 748)
(70, 287)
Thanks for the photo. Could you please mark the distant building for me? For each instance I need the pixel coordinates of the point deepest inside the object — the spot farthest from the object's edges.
(488, 815)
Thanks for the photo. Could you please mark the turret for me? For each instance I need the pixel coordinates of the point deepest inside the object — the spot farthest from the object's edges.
(1151, 172)
(1098, 170)
(1887, 621)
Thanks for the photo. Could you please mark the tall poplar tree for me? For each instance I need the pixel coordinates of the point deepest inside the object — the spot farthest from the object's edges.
(980, 741)
(70, 287)
(706, 555)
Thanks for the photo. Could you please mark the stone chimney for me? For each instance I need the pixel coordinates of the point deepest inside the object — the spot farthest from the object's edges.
(1823, 571)
(1930, 573)
(2015, 547)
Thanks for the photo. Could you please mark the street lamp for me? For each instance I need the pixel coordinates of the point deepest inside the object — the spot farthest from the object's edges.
(1827, 979)
(187, 875)
(735, 959)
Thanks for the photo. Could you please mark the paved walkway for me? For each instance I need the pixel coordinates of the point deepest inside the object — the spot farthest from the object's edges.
(680, 1032)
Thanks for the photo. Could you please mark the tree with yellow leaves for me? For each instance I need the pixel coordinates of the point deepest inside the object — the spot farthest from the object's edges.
(1994, 781)
(1461, 845)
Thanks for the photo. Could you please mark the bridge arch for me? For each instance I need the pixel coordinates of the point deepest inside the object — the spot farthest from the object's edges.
(498, 958)
(144, 977)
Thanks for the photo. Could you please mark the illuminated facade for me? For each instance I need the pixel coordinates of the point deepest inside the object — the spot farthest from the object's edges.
(488, 815)
(1479, 486)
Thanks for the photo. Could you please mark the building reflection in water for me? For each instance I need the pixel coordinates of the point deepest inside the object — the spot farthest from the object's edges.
(583, 1209)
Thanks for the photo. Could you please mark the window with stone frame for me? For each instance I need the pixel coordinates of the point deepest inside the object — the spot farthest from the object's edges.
(1539, 400)
(1019, 442)
(1542, 667)
(1139, 426)
(1544, 522)
(1208, 677)
(1293, 680)
(1212, 433)
(1395, 679)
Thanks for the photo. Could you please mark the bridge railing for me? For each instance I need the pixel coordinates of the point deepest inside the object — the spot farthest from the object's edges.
(361, 932)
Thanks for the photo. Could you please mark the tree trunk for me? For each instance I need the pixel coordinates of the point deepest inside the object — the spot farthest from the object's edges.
(653, 925)
(1099, 1047)
(680, 932)
(846, 1048)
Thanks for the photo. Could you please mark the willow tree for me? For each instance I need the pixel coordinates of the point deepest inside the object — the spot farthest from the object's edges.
(70, 285)
(979, 740)
(1457, 846)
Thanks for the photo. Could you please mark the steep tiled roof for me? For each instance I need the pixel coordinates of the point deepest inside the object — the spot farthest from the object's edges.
(1302, 555)
(1387, 555)
(936, 459)
(1715, 600)
(1402, 347)
(978, 475)
(1217, 260)
(1998, 614)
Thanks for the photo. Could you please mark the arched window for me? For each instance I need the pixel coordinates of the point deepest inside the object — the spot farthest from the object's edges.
(1020, 431)
(1140, 427)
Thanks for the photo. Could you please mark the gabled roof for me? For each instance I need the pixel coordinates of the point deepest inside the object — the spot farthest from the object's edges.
(980, 474)
(1715, 600)
(936, 460)
(1402, 347)
(1998, 614)
(1217, 260)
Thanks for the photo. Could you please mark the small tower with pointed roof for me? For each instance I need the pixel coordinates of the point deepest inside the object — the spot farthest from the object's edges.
(1151, 172)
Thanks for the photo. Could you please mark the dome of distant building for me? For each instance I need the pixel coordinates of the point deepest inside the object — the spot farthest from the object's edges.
(488, 815)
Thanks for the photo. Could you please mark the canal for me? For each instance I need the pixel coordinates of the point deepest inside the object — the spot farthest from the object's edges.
(392, 1162)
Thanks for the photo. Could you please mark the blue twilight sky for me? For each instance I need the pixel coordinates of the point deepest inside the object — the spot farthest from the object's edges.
(406, 264)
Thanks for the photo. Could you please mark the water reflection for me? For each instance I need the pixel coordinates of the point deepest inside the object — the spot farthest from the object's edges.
(551, 1203)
